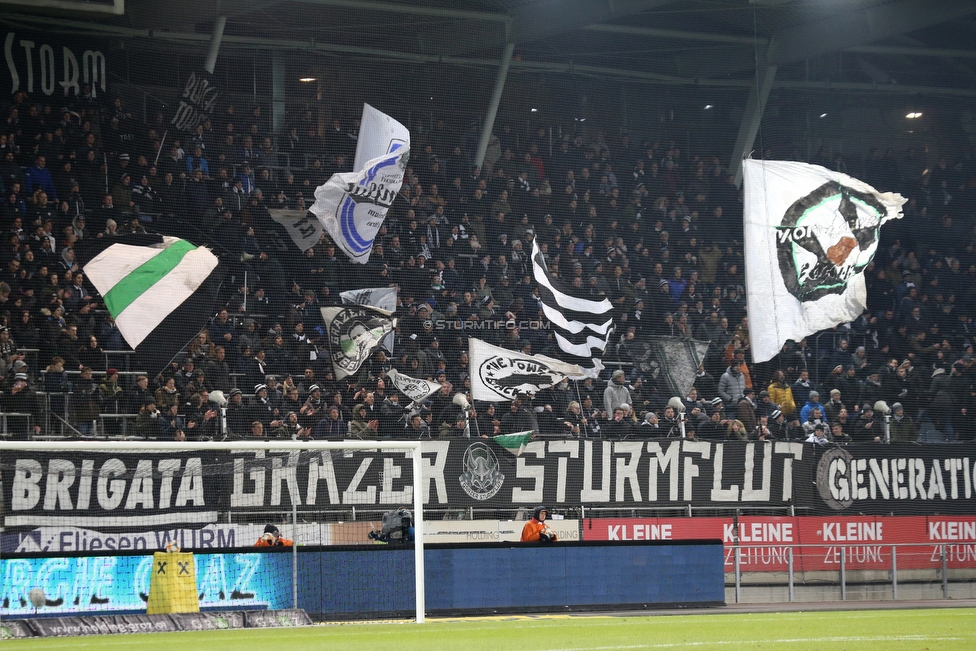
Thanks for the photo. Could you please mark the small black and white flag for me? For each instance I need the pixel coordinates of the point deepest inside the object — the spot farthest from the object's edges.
(354, 332)
(416, 390)
(385, 298)
(582, 325)
(161, 291)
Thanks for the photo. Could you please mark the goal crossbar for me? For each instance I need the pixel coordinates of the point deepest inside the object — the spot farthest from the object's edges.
(413, 446)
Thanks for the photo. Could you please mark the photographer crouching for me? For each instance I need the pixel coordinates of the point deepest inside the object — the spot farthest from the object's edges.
(272, 538)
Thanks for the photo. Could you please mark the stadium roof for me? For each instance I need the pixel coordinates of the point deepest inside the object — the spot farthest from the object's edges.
(886, 44)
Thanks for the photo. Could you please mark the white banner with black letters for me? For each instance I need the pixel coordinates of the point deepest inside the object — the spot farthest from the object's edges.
(138, 491)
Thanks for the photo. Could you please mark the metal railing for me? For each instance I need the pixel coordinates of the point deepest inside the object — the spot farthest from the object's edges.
(845, 557)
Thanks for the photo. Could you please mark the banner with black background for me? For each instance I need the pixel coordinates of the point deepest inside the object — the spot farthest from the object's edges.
(51, 67)
(108, 491)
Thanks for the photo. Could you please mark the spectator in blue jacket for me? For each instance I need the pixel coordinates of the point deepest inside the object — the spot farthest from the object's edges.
(39, 176)
(812, 403)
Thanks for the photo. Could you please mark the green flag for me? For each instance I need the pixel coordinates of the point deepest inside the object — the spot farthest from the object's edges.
(514, 443)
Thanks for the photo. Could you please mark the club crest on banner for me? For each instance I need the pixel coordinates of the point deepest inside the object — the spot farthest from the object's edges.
(825, 238)
(835, 479)
(481, 478)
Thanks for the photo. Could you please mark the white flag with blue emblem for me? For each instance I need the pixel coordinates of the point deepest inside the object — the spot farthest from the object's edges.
(352, 206)
(379, 134)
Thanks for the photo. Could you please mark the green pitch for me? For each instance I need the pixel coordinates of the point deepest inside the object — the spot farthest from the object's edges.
(942, 630)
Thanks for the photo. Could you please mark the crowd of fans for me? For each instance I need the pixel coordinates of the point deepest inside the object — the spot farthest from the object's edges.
(656, 230)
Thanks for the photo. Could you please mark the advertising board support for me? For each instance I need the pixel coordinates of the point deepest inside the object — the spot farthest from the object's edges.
(791, 573)
(894, 572)
(738, 573)
(945, 573)
(843, 574)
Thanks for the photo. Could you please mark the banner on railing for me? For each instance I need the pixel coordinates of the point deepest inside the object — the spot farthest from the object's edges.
(817, 542)
(159, 490)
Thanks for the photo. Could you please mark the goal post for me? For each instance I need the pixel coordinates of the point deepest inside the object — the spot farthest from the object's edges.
(73, 486)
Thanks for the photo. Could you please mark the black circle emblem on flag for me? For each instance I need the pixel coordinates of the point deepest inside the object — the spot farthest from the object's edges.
(353, 334)
(510, 377)
(826, 238)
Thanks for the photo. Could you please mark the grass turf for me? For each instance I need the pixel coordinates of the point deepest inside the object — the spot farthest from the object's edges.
(935, 629)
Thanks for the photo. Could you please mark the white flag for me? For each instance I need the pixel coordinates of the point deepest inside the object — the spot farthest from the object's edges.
(352, 206)
(354, 332)
(501, 374)
(379, 134)
(809, 234)
(384, 298)
(416, 390)
(304, 231)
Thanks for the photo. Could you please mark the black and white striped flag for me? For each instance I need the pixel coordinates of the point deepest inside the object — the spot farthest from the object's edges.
(161, 291)
(581, 325)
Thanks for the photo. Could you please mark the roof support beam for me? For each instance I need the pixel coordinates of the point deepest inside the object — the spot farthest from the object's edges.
(411, 9)
(496, 98)
(676, 34)
(855, 28)
(751, 119)
(538, 20)
(147, 36)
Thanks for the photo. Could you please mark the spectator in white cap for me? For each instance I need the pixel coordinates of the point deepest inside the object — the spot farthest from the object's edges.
(903, 429)
(616, 393)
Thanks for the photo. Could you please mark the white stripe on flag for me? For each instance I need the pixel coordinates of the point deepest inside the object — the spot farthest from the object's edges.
(580, 350)
(575, 327)
(145, 313)
(565, 300)
(116, 262)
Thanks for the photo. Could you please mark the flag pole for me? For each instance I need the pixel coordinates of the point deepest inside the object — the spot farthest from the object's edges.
(586, 430)
(161, 143)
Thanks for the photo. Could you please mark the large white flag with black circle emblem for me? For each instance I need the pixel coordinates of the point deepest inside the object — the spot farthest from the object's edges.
(354, 332)
(499, 374)
(809, 234)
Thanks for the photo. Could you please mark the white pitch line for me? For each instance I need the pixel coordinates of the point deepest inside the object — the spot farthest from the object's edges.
(796, 640)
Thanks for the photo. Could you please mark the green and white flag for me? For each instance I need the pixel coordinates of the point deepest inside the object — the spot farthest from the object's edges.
(161, 291)
(514, 443)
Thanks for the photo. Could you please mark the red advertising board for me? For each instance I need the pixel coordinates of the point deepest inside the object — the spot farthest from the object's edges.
(817, 542)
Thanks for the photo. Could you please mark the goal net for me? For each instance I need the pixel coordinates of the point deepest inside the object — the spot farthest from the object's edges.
(335, 528)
